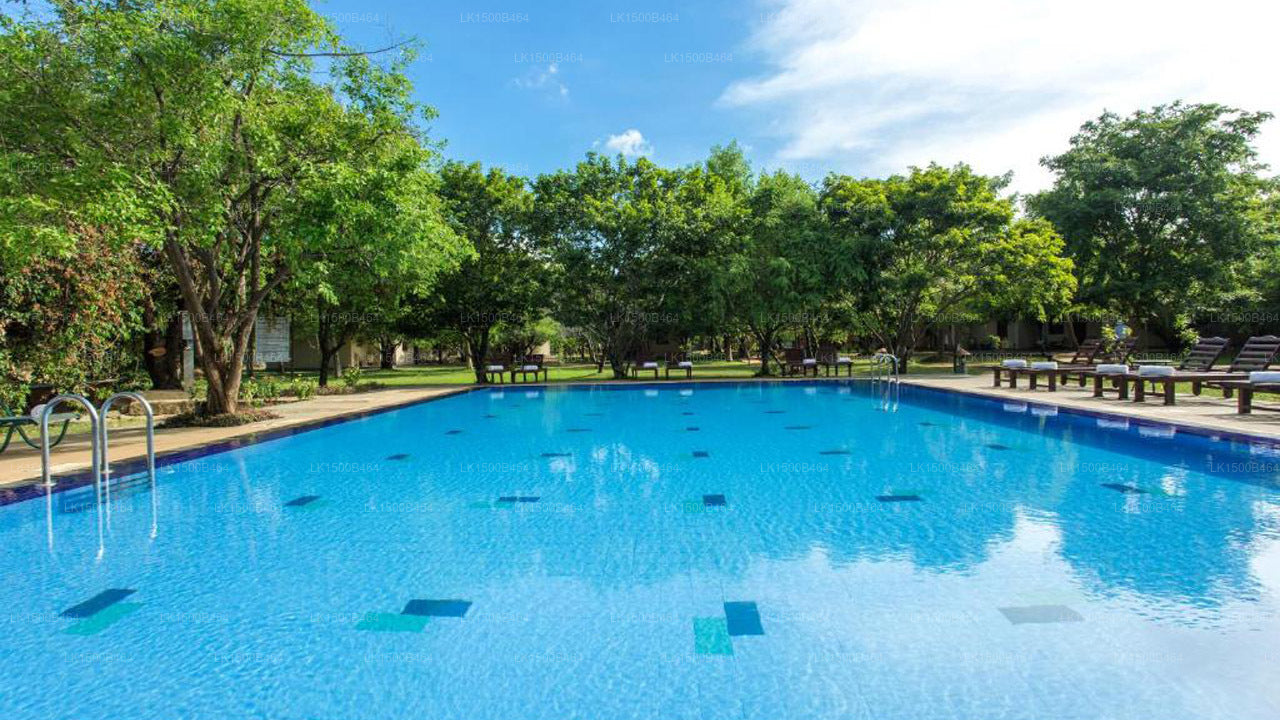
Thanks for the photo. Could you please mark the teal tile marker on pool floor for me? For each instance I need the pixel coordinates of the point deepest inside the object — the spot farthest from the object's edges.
(102, 619)
(392, 622)
(711, 636)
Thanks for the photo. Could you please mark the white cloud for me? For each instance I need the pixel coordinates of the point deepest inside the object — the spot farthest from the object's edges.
(629, 142)
(547, 79)
(872, 86)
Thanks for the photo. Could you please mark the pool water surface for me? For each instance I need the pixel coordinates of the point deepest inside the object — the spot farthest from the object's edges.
(735, 550)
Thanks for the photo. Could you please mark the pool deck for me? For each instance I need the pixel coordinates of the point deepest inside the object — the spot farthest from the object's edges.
(20, 465)
(1209, 411)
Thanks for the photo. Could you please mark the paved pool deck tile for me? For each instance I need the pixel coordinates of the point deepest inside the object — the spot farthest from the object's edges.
(20, 467)
(1208, 412)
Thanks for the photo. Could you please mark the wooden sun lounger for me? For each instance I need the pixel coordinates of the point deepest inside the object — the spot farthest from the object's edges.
(1083, 357)
(679, 362)
(794, 359)
(530, 365)
(1244, 392)
(1257, 354)
(644, 363)
(830, 359)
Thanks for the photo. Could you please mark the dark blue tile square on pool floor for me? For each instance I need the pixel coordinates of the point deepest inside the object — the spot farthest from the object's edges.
(453, 432)
(691, 428)
(1126, 489)
(303, 500)
(701, 454)
(398, 456)
(998, 446)
(833, 452)
(899, 498)
(518, 498)
(714, 501)
(437, 608)
(743, 618)
(98, 602)
(556, 454)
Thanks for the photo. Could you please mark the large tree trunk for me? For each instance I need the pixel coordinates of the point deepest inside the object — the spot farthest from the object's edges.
(387, 351)
(765, 339)
(162, 349)
(478, 349)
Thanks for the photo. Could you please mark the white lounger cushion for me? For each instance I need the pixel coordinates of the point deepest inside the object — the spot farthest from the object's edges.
(495, 368)
(1045, 365)
(1264, 376)
(1112, 369)
(810, 361)
(844, 360)
(1014, 363)
(684, 364)
(1156, 371)
(530, 367)
(649, 365)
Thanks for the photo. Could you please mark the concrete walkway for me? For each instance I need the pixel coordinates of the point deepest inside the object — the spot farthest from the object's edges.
(20, 465)
(1209, 411)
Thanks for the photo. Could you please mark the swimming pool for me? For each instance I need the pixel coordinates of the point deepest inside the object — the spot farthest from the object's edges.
(678, 551)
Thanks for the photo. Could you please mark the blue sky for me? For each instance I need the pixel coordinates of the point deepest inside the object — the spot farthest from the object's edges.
(866, 87)
(534, 86)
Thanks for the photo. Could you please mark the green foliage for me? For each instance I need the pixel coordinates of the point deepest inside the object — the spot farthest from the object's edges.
(504, 282)
(634, 248)
(351, 377)
(1162, 210)
(201, 127)
(66, 319)
(941, 245)
(302, 388)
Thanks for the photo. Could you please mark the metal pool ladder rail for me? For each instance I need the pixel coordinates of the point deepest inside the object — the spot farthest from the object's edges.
(151, 448)
(95, 422)
(884, 376)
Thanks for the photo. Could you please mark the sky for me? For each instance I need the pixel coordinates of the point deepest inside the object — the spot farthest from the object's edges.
(864, 87)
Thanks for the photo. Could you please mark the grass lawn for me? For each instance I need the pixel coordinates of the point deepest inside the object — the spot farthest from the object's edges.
(408, 376)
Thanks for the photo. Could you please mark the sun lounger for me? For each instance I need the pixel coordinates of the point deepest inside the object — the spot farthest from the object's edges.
(496, 368)
(794, 359)
(531, 365)
(679, 362)
(1257, 355)
(644, 363)
(1010, 369)
(1259, 381)
(830, 359)
(19, 425)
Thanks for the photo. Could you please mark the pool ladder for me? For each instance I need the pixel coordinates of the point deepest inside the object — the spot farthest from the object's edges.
(100, 465)
(885, 380)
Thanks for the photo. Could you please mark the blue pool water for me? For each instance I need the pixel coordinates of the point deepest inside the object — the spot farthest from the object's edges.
(719, 551)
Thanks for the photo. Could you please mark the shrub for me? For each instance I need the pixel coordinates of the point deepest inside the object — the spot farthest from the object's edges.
(351, 377)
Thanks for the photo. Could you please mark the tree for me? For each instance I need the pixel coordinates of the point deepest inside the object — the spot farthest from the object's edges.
(775, 272)
(503, 282)
(65, 318)
(940, 244)
(375, 235)
(629, 247)
(191, 125)
(1160, 209)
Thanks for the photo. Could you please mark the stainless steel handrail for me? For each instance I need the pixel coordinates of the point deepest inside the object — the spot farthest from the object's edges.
(151, 448)
(95, 422)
